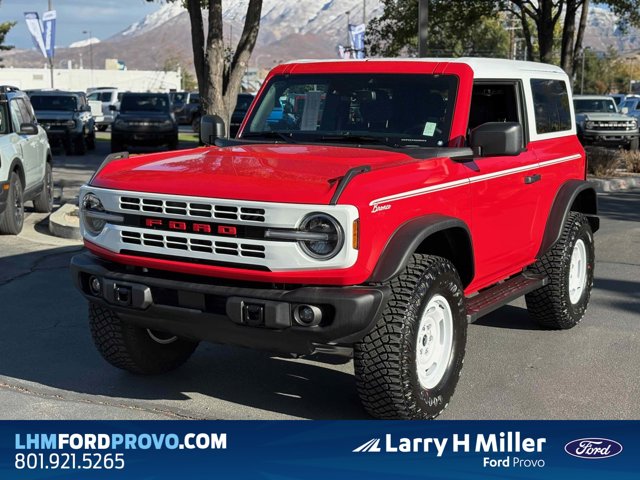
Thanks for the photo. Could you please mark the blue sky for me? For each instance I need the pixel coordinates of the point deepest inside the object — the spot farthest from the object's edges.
(103, 18)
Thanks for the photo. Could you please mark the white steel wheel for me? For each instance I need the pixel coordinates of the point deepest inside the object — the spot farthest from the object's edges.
(434, 342)
(577, 272)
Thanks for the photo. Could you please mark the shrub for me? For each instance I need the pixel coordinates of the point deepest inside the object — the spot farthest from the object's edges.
(631, 160)
(602, 162)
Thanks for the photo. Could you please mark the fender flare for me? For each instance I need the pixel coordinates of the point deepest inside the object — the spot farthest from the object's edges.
(574, 195)
(17, 163)
(406, 240)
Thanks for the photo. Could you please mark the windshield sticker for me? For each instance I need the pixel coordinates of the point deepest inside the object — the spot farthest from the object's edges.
(311, 111)
(429, 129)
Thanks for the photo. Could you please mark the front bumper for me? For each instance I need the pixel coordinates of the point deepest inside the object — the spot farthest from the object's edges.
(609, 137)
(214, 310)
(4, 195)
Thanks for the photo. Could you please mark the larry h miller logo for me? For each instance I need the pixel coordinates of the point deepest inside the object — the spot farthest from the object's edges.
(593, 448)
(370, 446)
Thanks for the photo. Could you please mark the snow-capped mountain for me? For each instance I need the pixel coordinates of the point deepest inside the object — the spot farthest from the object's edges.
(289, 29)
(85, 43)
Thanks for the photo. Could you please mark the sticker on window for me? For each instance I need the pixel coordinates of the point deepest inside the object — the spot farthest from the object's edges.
(429, 129)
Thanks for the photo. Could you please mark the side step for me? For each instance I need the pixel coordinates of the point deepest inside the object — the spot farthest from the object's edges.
(495, 297)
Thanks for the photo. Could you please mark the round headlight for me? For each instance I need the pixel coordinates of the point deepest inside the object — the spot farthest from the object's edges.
(121, 124)
(93, 224)
(589, 125)
(332, 242)
(70, 123)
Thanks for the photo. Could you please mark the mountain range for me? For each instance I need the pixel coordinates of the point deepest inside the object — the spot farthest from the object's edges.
(300, 29)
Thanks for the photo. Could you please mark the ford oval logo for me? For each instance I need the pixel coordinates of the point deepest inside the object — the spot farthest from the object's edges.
(593, 448)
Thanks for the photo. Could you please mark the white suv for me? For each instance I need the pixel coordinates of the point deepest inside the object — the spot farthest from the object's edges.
(25, 161)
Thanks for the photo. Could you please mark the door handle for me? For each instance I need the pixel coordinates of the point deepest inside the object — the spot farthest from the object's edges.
(532, 178)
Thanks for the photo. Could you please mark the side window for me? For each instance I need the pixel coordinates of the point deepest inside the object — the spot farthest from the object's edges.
(26, 111)
(16, 115)
(551, 106)
(494, 102)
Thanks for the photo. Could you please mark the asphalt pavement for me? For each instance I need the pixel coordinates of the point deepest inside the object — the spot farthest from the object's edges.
(49, 368)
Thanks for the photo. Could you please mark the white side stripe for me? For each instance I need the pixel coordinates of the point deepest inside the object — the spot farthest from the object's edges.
(467, 181)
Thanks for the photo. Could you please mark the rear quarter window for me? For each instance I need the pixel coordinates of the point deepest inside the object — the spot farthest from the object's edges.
(551, 105)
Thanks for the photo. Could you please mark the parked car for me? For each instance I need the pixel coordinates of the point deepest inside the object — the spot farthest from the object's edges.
(242, 107)
(110, 97)
(144, 119)
(25, 161)
(186, 106)
(408, 199)
(631, 106)
(67, 118)
(599, 122)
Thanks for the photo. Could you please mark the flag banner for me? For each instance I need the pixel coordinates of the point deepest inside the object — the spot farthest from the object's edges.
(35, 29)
(283, 450)
(356, 35)
(49, 32)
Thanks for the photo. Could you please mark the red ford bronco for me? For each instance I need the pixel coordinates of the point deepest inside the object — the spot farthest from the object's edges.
(368, 207)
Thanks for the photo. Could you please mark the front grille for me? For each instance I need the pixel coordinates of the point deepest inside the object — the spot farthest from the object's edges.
(614, 126)
(192, 209)
(189, 244)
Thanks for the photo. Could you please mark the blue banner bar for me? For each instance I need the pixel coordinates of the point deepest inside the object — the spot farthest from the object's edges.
(319, 450)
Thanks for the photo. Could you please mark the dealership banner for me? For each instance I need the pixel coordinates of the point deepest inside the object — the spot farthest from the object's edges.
(35, 29)
(136, 450)
(49, 32)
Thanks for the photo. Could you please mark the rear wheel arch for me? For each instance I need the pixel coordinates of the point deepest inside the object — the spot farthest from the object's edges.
(573, 196)
(439, 235)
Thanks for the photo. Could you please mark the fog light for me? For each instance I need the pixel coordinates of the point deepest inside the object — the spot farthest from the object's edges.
(307, 315)
(95, 285)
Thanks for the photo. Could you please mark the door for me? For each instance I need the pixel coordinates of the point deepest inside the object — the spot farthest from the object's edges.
(504, 189)
(31, 145)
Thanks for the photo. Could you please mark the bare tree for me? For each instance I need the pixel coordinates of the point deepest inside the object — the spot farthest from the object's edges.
(219, 79)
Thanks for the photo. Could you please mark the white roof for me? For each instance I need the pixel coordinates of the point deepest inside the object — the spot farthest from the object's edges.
(482, 67)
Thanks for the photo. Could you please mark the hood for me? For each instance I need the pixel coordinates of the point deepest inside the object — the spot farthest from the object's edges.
(268, 173)
(603, 116)
(52, 115)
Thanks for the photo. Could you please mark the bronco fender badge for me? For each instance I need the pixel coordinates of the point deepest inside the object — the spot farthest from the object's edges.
(379, 208)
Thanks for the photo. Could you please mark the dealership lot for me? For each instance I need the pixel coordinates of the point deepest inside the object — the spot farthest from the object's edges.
(514, 370)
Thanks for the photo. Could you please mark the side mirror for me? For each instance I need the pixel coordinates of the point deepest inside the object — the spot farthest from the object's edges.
(211, 128)
(112, 108)
(28, 129)
(625, 110)
(494, 139)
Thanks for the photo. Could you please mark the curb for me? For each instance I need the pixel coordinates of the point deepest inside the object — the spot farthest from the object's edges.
(620, 184)
(65, 223)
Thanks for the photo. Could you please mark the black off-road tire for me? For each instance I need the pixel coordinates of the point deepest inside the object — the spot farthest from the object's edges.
(91, 140)
(43, 203)
(173, 144)
(551, 306)
(79, 144)
(385, 360)
(12, 219)
(132, 348)
(116, 146)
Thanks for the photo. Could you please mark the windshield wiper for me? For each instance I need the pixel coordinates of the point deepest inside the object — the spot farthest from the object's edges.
(360, 139)
(286, 137)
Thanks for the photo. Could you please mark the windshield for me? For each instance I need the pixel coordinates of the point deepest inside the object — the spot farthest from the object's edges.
(54, 102)
(102, 96)
(144, 103)
(630, 104)
(365, 108)
(179, 97)
(595, 105)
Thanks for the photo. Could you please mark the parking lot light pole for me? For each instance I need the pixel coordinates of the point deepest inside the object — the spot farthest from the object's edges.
(88, 33)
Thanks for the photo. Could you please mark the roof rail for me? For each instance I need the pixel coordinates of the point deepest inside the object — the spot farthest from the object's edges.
(8, 88)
